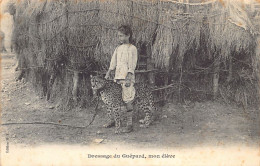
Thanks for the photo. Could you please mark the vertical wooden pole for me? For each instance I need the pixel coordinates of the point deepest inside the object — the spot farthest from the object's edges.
(257, 62)
(49, 88)
(150, 65)
(166, 79)
(230, 70)
(187, 7)
(216, 77)
(75, 86)
(180, 82)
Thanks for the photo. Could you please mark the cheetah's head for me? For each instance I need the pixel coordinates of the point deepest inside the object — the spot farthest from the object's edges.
(97, 83)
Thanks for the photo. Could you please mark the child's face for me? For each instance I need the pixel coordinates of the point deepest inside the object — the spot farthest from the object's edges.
(123, 38)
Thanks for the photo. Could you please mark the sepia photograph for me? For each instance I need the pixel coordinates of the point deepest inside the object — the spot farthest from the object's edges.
(130, 82)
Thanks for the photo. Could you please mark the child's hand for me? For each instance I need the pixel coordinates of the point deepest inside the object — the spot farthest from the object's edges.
(127, 83)
(128, 79)
(107, 75)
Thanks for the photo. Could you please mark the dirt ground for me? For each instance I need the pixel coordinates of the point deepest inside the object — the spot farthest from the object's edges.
(177, 125)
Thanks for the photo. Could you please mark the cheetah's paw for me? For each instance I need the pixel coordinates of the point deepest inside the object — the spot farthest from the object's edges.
(143, 126)
(117, 132)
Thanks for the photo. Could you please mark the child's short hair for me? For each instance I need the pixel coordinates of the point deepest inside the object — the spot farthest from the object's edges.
(126, 30)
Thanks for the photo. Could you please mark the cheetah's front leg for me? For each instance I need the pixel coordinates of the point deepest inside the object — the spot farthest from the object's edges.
(147, 119)
(111, 121)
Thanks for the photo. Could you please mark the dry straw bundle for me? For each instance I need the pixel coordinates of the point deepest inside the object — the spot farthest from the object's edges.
(107, 39)
(50, 25)
(82, 37)
(227, 34)
(82, 33)
(20, 26)
(164, 43)
(26, 45)
(144, 20)
(179, 30)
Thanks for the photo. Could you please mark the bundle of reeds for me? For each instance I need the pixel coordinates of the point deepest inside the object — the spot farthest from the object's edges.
(164, 43)
(107, 36)
(225, 35)
(82, 33)
(176, 33)
(144, 20)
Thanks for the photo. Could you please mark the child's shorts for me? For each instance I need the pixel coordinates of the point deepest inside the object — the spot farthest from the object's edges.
(128, 93)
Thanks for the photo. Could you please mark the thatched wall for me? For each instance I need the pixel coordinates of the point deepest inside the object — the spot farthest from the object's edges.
(59, 43)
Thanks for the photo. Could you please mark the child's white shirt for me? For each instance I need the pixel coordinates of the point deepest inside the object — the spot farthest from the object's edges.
(124, 60)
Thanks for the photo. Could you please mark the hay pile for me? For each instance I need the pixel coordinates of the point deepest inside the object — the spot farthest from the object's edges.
(59, 43)
(177, 33)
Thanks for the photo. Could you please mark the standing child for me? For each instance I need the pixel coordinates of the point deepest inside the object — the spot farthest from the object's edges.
(124, 62)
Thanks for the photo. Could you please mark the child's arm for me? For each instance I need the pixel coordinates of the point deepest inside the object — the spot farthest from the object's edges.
(112, 65)
(132, 61)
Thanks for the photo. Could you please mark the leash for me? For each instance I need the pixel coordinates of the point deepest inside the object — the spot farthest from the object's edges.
(58, 124)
